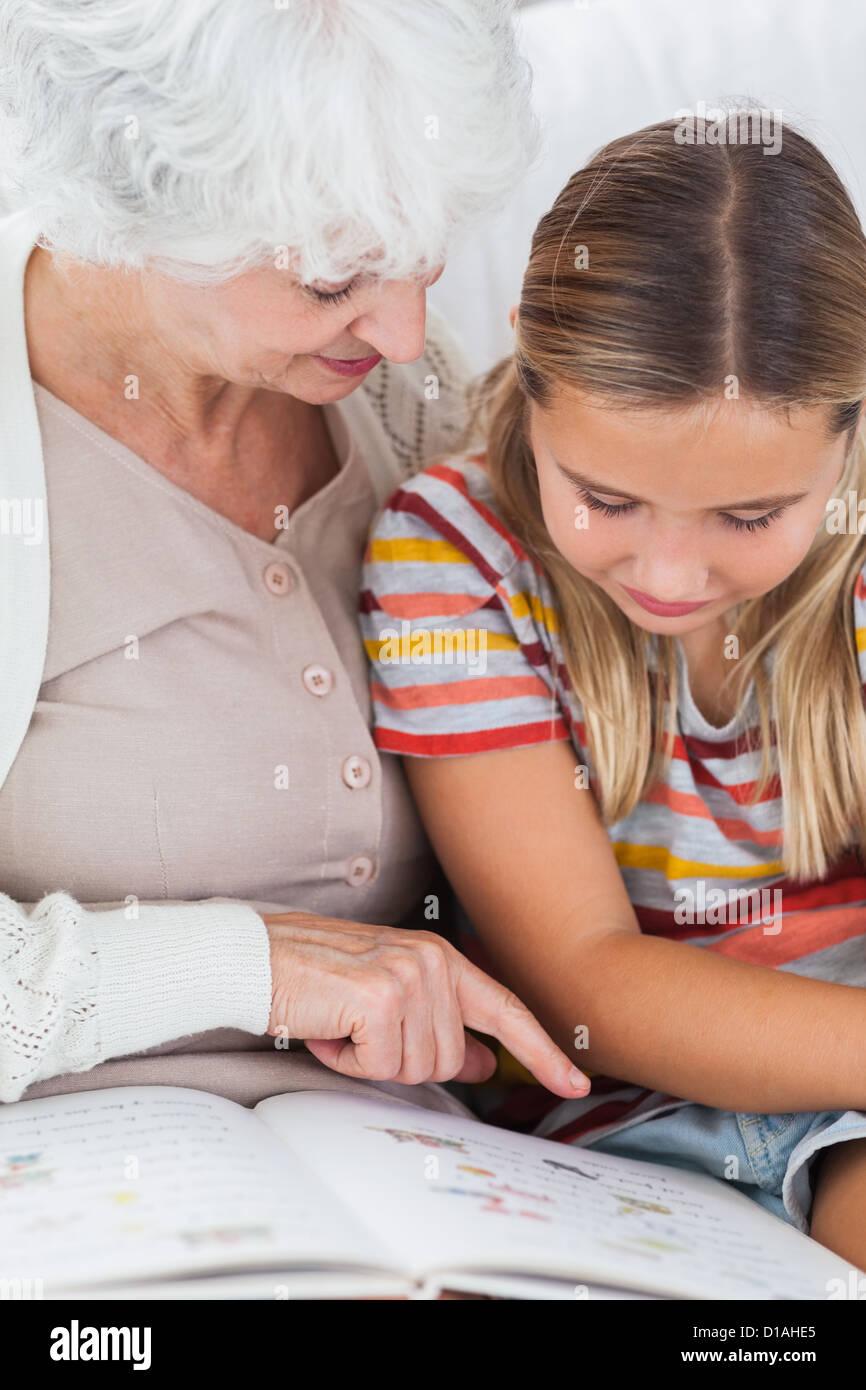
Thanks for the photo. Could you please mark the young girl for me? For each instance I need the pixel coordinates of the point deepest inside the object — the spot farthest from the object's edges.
(642, 762)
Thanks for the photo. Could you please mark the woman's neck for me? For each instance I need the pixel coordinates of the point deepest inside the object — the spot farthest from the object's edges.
(93, 342)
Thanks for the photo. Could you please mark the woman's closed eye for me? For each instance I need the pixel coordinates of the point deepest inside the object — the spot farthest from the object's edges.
(331, 296)
(739, 523)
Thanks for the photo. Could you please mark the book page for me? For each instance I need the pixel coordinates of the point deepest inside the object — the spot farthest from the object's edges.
(145, 1180)
(444, 1193)
(274, 1286)
(533, 1287)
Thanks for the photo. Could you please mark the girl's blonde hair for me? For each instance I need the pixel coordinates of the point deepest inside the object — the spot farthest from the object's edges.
(703, 261)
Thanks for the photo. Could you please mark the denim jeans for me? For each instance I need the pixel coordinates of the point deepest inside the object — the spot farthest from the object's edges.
(774, 1153)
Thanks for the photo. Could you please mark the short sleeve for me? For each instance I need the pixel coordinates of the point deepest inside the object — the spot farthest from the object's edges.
(454, 628)
(860, 625)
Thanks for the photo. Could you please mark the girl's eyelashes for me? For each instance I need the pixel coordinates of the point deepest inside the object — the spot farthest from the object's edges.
(758, 521)
(606, 508)
(737, 522)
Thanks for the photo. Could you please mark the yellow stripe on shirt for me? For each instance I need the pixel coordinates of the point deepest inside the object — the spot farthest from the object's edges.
(523, 604)
(403, 549)
(660, 858)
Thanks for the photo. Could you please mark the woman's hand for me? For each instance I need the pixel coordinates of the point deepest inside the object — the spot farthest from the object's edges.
(393, 1005)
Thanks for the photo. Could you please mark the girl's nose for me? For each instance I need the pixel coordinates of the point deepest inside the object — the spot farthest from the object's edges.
(671, 570)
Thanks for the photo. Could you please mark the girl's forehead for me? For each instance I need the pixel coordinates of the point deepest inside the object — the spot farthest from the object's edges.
(738, 448)
(568, 414)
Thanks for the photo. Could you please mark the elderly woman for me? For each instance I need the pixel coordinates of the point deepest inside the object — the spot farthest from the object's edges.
(213, 368)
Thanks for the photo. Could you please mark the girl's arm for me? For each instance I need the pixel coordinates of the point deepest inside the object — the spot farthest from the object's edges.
(532, 863)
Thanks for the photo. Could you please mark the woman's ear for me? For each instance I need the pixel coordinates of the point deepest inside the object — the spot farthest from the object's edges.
(512, 314)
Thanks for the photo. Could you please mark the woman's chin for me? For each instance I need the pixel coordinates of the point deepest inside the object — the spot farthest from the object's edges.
(315, 385)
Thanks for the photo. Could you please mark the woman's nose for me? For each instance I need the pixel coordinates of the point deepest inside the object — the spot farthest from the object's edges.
(395, 324)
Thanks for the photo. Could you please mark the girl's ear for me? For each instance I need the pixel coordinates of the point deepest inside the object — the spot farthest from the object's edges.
(512, 314)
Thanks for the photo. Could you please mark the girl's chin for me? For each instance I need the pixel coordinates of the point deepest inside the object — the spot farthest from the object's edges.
(667, 627)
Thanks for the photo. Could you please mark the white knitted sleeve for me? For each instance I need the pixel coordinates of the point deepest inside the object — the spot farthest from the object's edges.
(79, 986)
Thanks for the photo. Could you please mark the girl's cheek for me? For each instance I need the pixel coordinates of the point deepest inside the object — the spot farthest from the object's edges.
(594, 548)
(757, 563)
(554, 512)
(557, 505)
(572, 527)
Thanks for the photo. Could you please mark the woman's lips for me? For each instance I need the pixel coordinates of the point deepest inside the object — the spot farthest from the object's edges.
(663, 610)
(350, 366)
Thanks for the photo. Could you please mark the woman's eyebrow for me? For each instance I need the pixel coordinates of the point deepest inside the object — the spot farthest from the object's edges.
(754, 504)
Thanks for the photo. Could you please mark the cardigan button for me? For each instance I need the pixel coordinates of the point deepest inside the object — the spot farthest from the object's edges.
(357, 772)
(317, 679)
(278, 578)
(360, 870)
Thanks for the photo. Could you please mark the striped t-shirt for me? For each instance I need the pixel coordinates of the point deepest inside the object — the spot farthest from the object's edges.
(462, 633)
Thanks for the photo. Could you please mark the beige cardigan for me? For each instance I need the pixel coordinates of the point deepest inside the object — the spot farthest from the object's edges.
(78, 988)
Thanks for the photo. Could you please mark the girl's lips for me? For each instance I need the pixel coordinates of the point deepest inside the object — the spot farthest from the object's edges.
(663, 610)
(350, 366)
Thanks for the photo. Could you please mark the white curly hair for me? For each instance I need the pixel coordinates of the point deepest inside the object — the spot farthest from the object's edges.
(209, 136)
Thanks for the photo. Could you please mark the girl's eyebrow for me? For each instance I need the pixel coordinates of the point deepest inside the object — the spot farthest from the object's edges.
(755, 504)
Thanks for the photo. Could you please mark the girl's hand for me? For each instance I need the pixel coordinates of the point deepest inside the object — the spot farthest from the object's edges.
(393, 1005)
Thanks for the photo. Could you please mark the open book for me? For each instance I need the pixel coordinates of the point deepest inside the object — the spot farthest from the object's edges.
(163, 1191)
